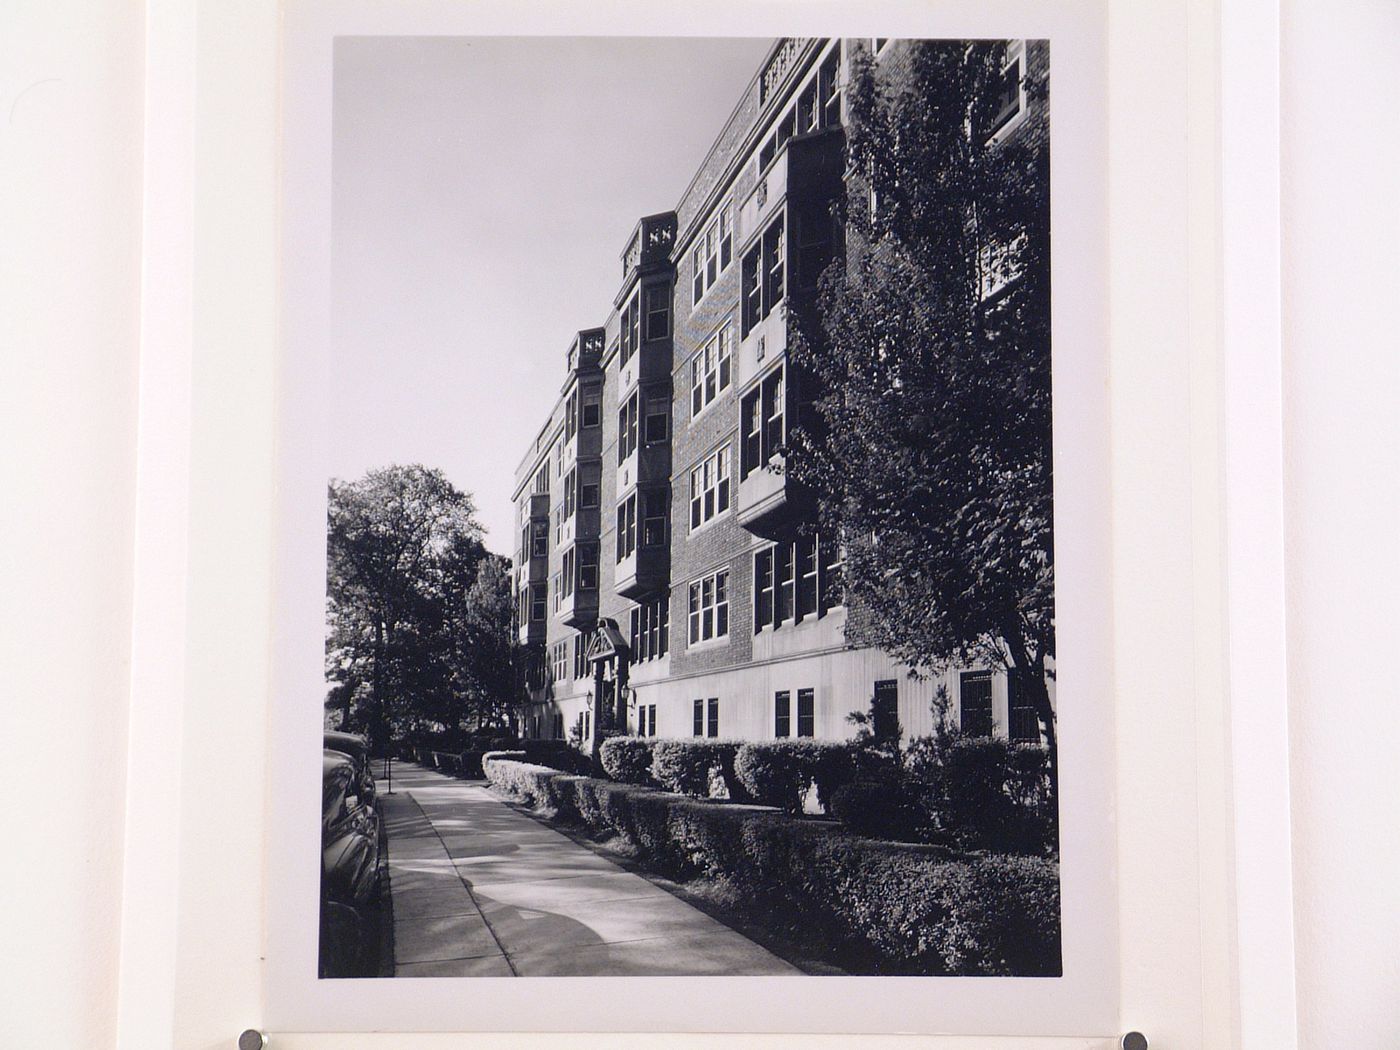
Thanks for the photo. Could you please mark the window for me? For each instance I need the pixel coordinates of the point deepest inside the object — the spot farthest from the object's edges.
(655, 508)
(588, 567)
(558, 725)
(564, 580)
(999, 263)
(587, 494)
(709, 607)
(795, 580)
(713, 728)
(651, 721)
(975, 703)
(762, 282)
(782, 714)
(627, 427)
(658, 419)
(711, 369)
(1023, 724)
(698, 719)
(539, 539)
(630, 322)
(650, 627)
(592, 408)
(538, 599)
(818, 106)
(570, 415)
(711, 255)
(806, 712)
(642, 721)
(1009, 98)
(658, 311)
(829, 90)
(627, 527)
(886, 709)
(566, 508)
(559, 660)
(761, 417)
(709, 487)
(581, 641)
(813, 238)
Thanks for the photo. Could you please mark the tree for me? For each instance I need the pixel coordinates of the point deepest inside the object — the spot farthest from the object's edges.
(414, 634)
(928, 442)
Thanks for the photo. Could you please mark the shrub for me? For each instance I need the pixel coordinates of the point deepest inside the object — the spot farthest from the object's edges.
(879, 808)
(776, 773)
(686, 765)
(628, 759)
(913, 909)
(557, 754)
(469, 763)
(983, 792)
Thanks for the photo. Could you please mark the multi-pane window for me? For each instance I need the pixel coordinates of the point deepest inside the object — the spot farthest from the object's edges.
(539, 539)
(795, 580)
(657, 426)
(655, 511)
(588, 566)
(587, 493)
(559, 661)
(782, 714)
(709, 607)
(806, 712)
(627, 426)
(1009, 100)
(712, 721)
(885, 709)
(1022, 721)
(698, 718)
(763, 284)
(818, 106)
(761, 417)
(581, 641)
(538, 602)
(651, 719)
(564, 579)
(651, 628)
(570, 415)
(711, 369)
(709, 487)
(975, 703)
(566, 509)
(627, 527)
(592, 408)
(658, 311)
(631, 330)
(711, 255)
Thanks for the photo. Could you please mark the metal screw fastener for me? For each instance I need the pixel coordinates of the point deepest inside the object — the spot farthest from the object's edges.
(1134, 1041)
(252, 1039)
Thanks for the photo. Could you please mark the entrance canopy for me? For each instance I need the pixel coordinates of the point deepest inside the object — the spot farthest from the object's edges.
(607, 642)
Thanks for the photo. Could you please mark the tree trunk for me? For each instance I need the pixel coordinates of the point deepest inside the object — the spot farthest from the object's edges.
(1033, 675)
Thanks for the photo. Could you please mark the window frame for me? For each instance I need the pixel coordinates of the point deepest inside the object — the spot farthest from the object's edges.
(712, 253)
(712, 369)
(707, 606)
(715, 485)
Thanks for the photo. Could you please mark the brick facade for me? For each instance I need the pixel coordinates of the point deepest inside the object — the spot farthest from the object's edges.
(744, 669)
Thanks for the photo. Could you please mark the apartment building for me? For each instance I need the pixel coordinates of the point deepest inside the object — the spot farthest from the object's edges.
(663, 586)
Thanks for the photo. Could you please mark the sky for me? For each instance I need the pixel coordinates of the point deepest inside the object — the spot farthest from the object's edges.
(483, 191)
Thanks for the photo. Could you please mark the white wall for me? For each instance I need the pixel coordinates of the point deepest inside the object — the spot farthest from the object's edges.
(1341, 288)
(70, 167)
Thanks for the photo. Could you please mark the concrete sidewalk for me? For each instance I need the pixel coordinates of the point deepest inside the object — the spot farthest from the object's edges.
(481, 890)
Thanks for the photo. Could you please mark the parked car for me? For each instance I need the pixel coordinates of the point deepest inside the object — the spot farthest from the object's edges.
(349, 870)
(357, 748)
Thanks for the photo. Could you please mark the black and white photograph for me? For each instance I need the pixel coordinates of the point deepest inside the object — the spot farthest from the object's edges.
(689, 556)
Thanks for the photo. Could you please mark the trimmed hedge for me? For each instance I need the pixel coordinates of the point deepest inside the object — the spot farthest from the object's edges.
(910, 909)
(780, 772)
(691, 765)
(628, 759)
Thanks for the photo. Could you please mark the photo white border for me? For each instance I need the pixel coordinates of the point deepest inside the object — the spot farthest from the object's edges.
(192, 970)
(1077, 1004)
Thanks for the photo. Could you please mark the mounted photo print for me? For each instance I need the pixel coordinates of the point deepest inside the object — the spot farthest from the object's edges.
(670, 474)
